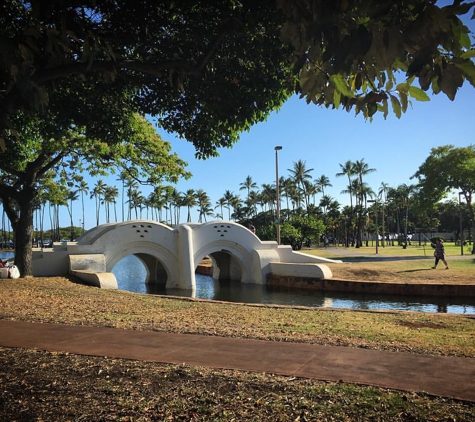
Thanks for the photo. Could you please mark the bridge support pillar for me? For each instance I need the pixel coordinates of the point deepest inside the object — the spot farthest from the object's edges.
(185, 274)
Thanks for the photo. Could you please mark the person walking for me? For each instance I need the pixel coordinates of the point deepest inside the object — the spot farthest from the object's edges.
(439, 253)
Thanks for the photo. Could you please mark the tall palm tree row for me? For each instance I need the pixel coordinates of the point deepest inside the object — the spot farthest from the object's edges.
(298, 197)
(359, 192)
(298, 190)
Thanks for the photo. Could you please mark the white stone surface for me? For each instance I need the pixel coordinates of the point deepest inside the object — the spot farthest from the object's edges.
(172, 255)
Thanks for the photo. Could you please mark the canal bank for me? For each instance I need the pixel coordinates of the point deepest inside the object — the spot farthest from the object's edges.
(374, 287)
(427, 283)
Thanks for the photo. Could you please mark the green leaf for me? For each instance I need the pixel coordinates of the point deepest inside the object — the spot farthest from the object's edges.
(385, 108)
(451, 80)
(467, 67)
(336, 98)
(372, 109)
(396, 106)
(389, 85)
(401, 65)
(418, 94)
(468, 54)
(404, 101)
(307, 83)
(465, 38)
(403, 87)
(435, 86)
(342, 86)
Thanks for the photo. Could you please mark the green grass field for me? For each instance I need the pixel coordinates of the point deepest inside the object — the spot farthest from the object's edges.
(411, 250)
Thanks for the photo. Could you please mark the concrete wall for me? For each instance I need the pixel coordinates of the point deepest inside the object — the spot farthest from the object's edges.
(312, 283)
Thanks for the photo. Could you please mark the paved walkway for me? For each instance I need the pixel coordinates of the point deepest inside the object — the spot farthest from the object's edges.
(441, 376)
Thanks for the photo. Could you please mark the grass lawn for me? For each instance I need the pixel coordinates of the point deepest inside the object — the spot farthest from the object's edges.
(52, 386)
(413, 250)
(409, 265)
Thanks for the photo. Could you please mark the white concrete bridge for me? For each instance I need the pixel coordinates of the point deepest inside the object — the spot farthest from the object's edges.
(171, 256)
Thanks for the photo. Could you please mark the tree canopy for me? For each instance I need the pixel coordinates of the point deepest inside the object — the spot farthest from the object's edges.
(448, 168)
(210, 69)
(44, 152)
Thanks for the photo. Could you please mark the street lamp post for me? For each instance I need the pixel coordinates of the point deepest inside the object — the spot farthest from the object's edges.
(461, 226)
(277, 214)
(376, 214)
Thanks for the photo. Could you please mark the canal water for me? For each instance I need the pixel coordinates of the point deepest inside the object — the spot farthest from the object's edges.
(131, 274)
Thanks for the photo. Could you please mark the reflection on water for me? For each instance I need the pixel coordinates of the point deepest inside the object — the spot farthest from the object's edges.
(131, 274)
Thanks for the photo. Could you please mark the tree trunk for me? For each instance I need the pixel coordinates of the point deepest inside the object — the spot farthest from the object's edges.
(24, 239)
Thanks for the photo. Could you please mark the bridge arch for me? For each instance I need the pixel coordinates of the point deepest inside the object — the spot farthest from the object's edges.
(157, 260)
(231, 261)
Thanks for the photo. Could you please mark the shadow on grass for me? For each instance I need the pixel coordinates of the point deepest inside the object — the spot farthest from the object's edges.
(415, 270)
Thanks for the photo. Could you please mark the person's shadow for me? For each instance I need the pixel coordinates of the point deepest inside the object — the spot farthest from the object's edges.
(415, 271)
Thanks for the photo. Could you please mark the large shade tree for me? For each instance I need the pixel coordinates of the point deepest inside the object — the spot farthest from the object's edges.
(25, 165)
(447, 169)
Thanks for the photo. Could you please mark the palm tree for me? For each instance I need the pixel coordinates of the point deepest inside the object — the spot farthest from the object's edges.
(220, 204)
(321, 183)
(325, 202)
(97, 193)
(168, 194)
(361, 169)
(110, 195)
(394, 206)
(286, 187)
(124, 178)
(382, 194)
(406, 191)
(228, 197)
(310, 190)
(131, 186)
(189, 201)
(267, 196)
(292, 193)
(300, 174)
(348, 170)
(204, 204)
(57, 195)
(175, 202)
(252, 201)
(42, 200)
(135, 201)
(238, 211)
(364, 193)
(248, 184)
(156, 201)
(72, 196)
(82, 188)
